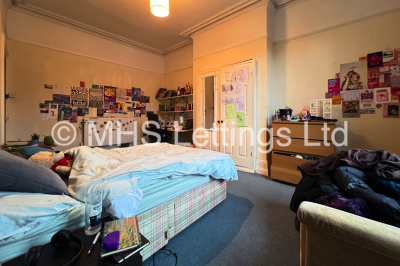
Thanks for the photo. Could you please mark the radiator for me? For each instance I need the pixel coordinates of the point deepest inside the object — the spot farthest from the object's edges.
(97, 130)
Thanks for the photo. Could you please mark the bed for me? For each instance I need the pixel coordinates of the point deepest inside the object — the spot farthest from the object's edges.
(175, 193)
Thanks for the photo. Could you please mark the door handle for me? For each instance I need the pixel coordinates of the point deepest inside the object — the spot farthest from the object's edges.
(222, 121)
(218, 121)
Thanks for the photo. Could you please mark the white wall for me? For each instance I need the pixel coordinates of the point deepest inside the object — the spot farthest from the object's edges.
(302, 66)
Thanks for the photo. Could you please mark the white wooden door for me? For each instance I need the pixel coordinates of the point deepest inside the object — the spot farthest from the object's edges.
(238, 142)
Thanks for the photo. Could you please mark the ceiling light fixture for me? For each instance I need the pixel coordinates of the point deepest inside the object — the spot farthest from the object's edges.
(159, 8)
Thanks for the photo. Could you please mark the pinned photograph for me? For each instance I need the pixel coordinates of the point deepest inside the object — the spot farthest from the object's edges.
(382, 95)
(47, 86)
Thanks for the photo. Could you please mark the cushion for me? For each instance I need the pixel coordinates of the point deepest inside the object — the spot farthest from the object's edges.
(28, 151)
(20, 175)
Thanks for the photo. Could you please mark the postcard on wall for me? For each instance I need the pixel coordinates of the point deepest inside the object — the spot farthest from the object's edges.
(353, 76)
(382, 95)
(74, 116)
(367, 103)
(388, 54)
(334, 86)
(138, 112)
(384, 76)
(395, 76)
(336, 100)
(350, 95)
(83, 111)
(110, 94)
(96, 97)
(150, 107)
(121, 95)
(395, 92)
(373, 78)
(62, 89)
(391, 110)
(53, 111)
(351, 109)
(142, 99)
(147, 99)
(136, 94)
(79, 97)
(328, 95)
(100, 112)
(48, 86)
(61, 99)
(375, 60)
(243, 73)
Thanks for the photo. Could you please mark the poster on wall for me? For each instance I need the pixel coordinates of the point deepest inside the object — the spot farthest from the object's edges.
(109, 94)
(353, 76)
(79, 97)
(228, 94)
(61, 94)
(367, 103)
(96, 96)
(351, 109)
(373, 78)
(375, 60)
(334, 86)
(136, 94)
(350, 95)
(243, 73)
(391, 110)
(122, 95)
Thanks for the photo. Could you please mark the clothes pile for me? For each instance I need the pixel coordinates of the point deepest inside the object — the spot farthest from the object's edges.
(362, 182)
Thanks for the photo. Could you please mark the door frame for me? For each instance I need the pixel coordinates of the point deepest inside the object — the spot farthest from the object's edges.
(254, 78)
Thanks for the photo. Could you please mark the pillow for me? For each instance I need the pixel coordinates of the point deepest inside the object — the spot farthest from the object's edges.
(28, 151)
(20, 175)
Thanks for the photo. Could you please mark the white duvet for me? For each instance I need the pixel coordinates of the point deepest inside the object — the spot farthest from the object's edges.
(121, 171)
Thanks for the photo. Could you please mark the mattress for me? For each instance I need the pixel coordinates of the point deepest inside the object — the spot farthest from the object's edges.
(19, 242)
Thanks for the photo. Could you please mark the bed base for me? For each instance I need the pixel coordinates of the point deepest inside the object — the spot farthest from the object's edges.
(163, 222)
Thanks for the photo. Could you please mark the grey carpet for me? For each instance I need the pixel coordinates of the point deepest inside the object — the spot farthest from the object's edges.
(253, 226)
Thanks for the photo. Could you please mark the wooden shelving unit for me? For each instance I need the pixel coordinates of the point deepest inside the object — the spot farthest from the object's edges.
(182, 96)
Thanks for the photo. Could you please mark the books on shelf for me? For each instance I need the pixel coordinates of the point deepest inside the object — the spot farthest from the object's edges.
(161, 93)
(120, 236)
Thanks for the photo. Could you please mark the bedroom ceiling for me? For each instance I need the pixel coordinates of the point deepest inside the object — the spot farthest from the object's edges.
(133, 20)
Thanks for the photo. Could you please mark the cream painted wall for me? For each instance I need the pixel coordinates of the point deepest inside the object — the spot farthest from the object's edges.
(27, 28)
(239, 39)
(312, 16)
(29, 67)
(303, 66)
(178, 67)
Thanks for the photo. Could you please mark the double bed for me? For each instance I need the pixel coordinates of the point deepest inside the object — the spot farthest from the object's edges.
(178, 185)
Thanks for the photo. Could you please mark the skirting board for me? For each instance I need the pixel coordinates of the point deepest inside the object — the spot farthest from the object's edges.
(262, 167)
(244, 169)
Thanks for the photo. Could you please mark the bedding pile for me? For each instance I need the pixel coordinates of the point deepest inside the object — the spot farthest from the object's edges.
(123, 172)
(362, 182)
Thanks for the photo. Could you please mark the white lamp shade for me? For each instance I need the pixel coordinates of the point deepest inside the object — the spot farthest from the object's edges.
(159, 8)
